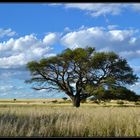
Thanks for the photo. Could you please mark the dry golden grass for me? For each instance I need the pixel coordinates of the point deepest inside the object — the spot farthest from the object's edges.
(59, 101)
(67, 121)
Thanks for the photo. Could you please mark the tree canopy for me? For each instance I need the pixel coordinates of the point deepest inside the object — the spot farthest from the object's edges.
(114, 93)
(75, 71)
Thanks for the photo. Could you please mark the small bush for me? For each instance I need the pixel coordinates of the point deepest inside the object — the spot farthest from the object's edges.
(54, 101)
(104, 103)
(137, 103)
(14, 100)
(96, 101)
(120, 102)
(83, 101)
(64, 98)
(44, 102)
(108, 100)
(68, 101)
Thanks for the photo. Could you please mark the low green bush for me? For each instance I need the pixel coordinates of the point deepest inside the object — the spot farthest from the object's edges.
(96, 101)
(64, 98)
(120, 102)
(137, 103)
(54, 101)
(83, 101)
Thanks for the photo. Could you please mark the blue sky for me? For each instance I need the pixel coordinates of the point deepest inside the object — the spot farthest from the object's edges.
(30, 31)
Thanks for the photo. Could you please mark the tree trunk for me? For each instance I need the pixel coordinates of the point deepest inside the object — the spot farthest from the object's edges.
(76, 101)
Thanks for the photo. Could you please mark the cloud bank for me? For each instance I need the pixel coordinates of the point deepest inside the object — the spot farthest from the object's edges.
(101, 9)
(17, 52)
(124, 42)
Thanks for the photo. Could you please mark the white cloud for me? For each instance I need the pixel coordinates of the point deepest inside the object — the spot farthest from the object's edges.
(112, 27)
(82, 37)
(18, 74)
(136, 6)
(98, 9)
(6, 88)
(17, 52)
(135, 87)
(101, 9)
(50, 38)
(67, 29)
(7, 32)
(3, 94)
(124, 42)
(120, 35)
(54, 4)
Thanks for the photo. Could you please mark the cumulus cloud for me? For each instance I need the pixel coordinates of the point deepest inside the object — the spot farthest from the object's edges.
(111, 27)
(136, 6)
(50, 38)
(17, 52)
(67, 29)
(98, 9)
(124, 42)
(18, 74)
(136, 68)
(135, 87)
(12, 91)
(6, 88)
(101, 9)
(6, 32)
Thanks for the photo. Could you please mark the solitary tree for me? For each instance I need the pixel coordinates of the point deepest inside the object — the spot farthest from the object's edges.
(73, 71)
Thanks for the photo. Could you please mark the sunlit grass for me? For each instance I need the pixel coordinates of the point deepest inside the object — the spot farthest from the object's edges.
(67, 121)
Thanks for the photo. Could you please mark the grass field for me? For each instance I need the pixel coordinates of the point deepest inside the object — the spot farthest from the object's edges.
(45, 118)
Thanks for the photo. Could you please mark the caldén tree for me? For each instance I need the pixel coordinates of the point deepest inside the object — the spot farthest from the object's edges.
(74, 70)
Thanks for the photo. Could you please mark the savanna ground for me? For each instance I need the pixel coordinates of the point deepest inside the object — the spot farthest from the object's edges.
(58, 118)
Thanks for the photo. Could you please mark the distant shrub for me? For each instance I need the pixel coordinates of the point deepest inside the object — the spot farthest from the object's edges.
(137, 103)
(104, 103)
(68, 101)
(107, 100)
(44, 102)
(14, 100)
(96, 101)
(120, 102)
(83, 101)
(54, 101)
(64, 98)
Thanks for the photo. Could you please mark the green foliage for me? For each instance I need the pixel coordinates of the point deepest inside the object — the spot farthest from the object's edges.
(118, 92)
(124, 94)
(32, 66)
